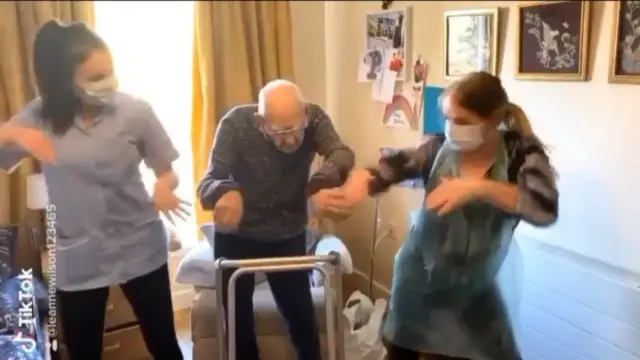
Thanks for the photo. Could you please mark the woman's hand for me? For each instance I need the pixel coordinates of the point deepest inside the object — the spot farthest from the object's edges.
(453, 193)
(167, 202)
(36, 142)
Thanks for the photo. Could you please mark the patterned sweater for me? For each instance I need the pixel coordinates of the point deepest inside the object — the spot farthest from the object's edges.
(274, 185)
(529, 169)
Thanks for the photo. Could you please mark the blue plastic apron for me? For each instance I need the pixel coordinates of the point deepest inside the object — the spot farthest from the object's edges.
(444, 297)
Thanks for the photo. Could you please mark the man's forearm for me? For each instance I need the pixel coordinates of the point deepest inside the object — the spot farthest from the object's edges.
(217, 182)
(333, 172)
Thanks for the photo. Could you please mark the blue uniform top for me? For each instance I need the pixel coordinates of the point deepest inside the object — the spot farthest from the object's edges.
(107, 229)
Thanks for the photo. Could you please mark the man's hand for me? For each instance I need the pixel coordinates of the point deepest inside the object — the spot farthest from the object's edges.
(331, 201)
(453, 193)
(356, 188)
(228, 211)
(166, 201)
(36, 142)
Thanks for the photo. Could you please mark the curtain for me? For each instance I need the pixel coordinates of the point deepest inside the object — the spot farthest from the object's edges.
(19, 22)
(239, 47)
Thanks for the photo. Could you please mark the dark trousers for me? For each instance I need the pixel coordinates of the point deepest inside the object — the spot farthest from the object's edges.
(395, 352)
(291, 291)
(83, 314)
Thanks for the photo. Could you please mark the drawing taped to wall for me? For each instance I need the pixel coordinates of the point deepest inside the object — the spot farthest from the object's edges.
(624, 65)
(370, 66)
(387, 30)
(405, 109)
(552, 41)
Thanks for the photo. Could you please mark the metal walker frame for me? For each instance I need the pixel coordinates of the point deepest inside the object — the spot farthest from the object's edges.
(333, 296)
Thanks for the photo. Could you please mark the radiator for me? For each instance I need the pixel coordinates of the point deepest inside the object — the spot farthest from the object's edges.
(575, 308)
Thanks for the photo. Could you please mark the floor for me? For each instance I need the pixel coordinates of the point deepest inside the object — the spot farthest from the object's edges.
(183, 328)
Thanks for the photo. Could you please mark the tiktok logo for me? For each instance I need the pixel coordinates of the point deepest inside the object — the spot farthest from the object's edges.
(28, 344)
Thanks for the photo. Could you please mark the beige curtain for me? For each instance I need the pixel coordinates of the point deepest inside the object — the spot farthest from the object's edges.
(239, 46)
(19, 22)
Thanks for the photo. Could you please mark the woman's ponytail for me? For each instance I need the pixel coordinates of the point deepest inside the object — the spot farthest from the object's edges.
(518, 120)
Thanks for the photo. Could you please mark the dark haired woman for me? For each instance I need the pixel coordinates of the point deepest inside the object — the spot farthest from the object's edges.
(479, 181)
(91, 139)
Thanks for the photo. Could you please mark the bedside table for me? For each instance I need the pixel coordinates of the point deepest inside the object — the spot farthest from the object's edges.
(122, 337)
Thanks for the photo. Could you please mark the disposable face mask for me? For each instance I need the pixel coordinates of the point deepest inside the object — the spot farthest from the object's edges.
(464, 137)
(99, 92)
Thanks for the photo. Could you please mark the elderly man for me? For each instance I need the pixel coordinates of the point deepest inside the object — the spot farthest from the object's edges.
(258, 186)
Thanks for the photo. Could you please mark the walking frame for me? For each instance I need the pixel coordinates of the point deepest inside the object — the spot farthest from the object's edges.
(333, 296)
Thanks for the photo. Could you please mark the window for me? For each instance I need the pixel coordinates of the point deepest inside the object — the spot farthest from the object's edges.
(152, 46)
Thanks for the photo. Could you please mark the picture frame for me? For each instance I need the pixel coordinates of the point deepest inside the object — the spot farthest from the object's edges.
(624, 61)
(552, 42)
(388, 32)
(471, 41)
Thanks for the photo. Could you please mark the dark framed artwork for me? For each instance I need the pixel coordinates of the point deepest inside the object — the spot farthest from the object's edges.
(553, 40)
(471, 42)
(624, 64)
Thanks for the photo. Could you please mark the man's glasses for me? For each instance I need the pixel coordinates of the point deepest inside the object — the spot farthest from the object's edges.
(287, 131)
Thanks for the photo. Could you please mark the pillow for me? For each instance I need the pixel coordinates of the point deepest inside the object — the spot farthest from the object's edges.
(328, 244)
(209, 231)
(197, 268)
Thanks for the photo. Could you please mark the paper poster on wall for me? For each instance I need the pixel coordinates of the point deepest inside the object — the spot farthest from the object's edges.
(384, 86)
(370, 65)
(405, 109)
(399, 113)
(433, 119)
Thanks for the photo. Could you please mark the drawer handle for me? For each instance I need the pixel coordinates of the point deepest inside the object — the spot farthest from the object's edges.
(113, 347)
(110, 307)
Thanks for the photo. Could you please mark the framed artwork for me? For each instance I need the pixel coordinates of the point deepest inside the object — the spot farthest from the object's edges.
(387, 33)
(624, 65)
(553, 40)
(471, 42)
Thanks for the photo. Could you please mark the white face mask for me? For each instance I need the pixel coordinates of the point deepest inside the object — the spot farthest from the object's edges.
(98, 92)
(464, 137)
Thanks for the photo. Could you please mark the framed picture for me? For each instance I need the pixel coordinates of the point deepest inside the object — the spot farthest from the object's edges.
(624, 65)
(386, 32)
(471, 42)
(553, 40)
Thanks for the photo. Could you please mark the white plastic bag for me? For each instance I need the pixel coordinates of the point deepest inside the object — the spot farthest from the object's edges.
(364, 321)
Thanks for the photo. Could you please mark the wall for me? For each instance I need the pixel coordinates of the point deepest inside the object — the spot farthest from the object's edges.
(581, 276)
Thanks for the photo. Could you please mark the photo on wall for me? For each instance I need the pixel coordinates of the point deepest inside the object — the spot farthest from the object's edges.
(387, 32)
(624, 65)
(471, 42)
(552, 40)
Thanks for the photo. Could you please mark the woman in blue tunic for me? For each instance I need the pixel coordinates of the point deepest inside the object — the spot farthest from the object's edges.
(487, 173)
(106, 228)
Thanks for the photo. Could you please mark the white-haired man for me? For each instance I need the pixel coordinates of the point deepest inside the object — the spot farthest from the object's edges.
(258, 185)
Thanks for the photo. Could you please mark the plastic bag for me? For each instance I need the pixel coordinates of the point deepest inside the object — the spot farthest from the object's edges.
(362, 338)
